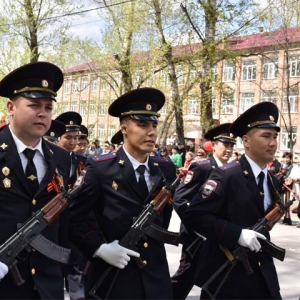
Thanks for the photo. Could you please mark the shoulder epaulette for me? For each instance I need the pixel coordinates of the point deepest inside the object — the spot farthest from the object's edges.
(79, 154)
(103, 157)
(51, 145)
(160, 159)
(203, 162)
(231, 165)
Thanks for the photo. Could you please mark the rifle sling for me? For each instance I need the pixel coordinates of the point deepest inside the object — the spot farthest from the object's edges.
(163, 235)
(50, 249)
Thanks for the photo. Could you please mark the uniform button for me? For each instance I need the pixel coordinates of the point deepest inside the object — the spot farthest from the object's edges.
(32, 271)
(33, 250)
(146, 245)
(144, 262)
(259, 263)
(33, 202)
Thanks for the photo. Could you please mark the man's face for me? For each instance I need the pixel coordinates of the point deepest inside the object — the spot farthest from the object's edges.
(69, 140)
(81, 146)
(261, 144)
(139, 136)
(222, 150)
(30, 119)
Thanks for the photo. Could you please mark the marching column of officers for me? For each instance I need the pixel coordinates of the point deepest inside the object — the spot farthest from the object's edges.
(217, 201)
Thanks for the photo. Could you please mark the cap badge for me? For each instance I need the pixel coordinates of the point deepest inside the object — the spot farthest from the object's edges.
(231, 135)
(52, 133)
(71, 122)
(148, 107)
(45, 83)
(271, 118)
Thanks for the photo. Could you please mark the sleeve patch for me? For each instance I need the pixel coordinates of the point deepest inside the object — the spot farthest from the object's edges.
(208, 189)
(189, 176)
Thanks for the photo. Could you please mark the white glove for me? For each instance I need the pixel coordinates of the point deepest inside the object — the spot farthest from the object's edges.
(248, 238)
(116, 255)
(3, 270)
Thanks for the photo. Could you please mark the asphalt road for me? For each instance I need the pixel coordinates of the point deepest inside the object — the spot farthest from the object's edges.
(288, 271)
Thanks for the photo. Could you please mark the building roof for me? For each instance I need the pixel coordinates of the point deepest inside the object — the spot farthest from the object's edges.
(251, 41)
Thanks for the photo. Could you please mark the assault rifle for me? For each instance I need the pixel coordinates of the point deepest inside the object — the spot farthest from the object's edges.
(29, 233)
(241, 254)
(142, 227)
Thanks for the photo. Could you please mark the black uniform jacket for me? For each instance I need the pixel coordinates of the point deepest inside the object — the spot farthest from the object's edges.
(17, 205)
(228, 202)
(113, 194)
(197, 174)
(78, 160)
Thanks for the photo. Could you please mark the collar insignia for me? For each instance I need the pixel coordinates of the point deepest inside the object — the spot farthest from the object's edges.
(114, 186)
(3, 146)
(246, 172)
(121, 162)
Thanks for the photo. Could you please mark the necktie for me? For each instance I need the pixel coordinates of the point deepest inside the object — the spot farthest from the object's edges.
(30, 171)
(261, 177)
(142, 182)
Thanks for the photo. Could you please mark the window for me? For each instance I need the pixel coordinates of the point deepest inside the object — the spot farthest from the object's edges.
(138, 78)
(290, 101)
(294, 65)
(83, 108)
(84, 84)
(285, 138)
(115, 81)
(228, 71)
(101, 132)
(270, 96)
(65, 108)
(103, 86)
(270, 68)
(94, 85)
(111, 131)
(193, 106)
(67, 86)
(91, 130)
(164, 78)
(75, 85)
(247, 100)
(151, 80)
(214, 73)
(102, 108)
(73, 106)
(249, 69)
(164, 109)
(92, 109)
(213, 104)
(227, 104)
(180, 76)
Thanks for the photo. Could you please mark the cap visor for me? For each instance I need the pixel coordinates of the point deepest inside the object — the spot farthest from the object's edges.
(144, 117)
(36, 95)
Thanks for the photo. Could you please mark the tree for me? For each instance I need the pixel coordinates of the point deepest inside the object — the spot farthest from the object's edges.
(39, 24)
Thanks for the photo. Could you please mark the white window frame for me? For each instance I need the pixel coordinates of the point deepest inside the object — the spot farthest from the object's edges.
(294, 66)
(293, 99)
(84, 84)
(75, 86)
(227, 104)
(102, 108)
(67, 86)
(284, 138)
(228, 74)
(93, 109)
(193, 106)
(82, 108)
(101, 130)
(249, 70)
(94, 85)
(246, 101)
(73, 106)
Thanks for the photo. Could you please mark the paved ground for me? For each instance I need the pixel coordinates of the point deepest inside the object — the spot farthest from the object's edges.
(288, 271)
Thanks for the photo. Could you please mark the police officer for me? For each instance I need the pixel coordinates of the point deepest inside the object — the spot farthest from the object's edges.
(83, 141)
(69, 140)
(222, 147)
(31, 90)
(55, 131)
(231, 201)
(113, 192)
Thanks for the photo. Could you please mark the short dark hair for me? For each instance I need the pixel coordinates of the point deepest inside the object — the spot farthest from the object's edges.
(287, 154)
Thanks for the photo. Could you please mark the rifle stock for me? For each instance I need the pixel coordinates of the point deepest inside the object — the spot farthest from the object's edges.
(44, 217)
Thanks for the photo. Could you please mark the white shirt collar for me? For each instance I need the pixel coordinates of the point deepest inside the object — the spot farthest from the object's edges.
(219, 163)
(255, 168)
(136, 163)
(21, 146)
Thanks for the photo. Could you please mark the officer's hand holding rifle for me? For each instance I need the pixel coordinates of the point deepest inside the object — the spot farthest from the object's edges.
(248, 242)
(28, 235)
(118, 254)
